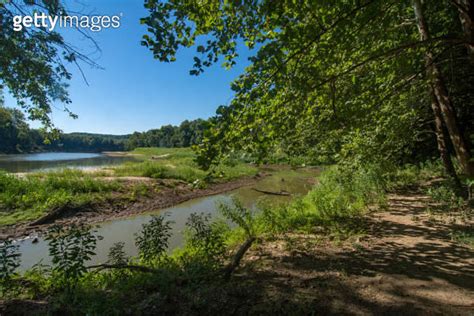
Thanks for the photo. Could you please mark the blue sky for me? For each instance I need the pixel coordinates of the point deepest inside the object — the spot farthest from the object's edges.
(135, 92)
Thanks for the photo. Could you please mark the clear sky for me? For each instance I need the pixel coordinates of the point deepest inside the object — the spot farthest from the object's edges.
(135, 92)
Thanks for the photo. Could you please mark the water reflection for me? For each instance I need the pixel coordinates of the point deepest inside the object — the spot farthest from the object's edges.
(57, 160)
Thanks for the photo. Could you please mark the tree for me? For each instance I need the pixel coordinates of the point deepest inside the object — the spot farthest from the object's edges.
(343, 81)
(33, 60)
(443, 105)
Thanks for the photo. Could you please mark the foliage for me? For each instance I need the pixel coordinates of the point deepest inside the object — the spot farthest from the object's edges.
(412, 174)
(334, 82)
(152, 242)
(204, 240)
(15, 133)
(70, 248)
(188, 133)
(18, 137)
(446, 197)
(87, 142)
(465, 236)
(34, 60)
(9, 261)
(116, 254)
(340, 197)
(239, 215)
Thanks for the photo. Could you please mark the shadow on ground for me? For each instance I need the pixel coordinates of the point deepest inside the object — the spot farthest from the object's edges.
(408, 265)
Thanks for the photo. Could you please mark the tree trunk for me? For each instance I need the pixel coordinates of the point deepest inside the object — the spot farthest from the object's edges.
(460, 146)
(441, 140)
(466, 16)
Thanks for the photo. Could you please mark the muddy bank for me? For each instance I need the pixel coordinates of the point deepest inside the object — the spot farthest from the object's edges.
(163, 193)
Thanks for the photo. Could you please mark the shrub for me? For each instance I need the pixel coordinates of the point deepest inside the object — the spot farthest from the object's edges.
(446, 196)
(205, 242)
(152, 241)
(117, 255)
(239, 215)
(9, 261)
(70, 248)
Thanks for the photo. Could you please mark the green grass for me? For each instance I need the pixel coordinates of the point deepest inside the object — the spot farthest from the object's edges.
(27, 198)
(191, 274)
(178, 163)
(336, 203)
(464, 236)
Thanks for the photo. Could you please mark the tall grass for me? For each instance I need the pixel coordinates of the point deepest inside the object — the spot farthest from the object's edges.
(178, 163)
(27, 198)
(340, 196)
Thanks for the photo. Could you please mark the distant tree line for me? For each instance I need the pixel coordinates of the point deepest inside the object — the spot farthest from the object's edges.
(17, 137)
(188, 133)
(15, 134)
(87, 142)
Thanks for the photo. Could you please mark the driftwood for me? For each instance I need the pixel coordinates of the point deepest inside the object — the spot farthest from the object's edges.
(284, 193)
(51, 216)
(160, 157)
(123, 266)
(234, 263)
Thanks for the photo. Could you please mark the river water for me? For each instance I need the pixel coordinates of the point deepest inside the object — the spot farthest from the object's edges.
(297, 182)
(57, 160)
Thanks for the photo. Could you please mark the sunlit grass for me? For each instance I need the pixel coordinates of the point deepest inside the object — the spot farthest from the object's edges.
(178, 163)
(29, 197)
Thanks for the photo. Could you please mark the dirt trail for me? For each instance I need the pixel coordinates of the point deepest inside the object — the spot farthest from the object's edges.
(406, 265)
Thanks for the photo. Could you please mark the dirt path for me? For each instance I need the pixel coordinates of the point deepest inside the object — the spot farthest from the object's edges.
(407, 264)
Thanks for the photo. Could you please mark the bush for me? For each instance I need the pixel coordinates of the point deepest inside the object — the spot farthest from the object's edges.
(152, 242)
(117, 255)
(205, 242)
(239, 215)
(9, 261)
(70, 248)
(446, 196)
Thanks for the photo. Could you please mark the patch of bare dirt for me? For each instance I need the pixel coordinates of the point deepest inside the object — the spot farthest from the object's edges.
(407, 264)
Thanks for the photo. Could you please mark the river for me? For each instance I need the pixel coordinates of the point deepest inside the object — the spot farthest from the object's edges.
(57, 160)
(297, 182)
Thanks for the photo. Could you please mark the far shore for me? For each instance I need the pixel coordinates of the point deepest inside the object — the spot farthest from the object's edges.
(119, 153)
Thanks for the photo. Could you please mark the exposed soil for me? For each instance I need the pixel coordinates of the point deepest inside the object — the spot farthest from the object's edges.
(162, 193)
(407, 264)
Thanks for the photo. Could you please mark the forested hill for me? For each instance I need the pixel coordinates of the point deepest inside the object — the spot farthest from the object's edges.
(88, 142)
(17, 137)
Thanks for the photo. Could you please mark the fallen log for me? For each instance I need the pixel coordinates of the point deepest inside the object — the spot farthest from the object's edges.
(234, 263)
(283, 193)
(123, 266)
(51, 216)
